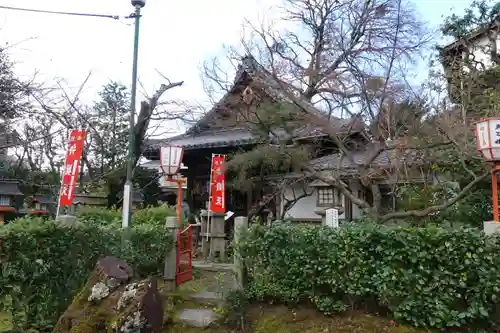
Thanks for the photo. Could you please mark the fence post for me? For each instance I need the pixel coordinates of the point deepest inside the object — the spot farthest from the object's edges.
(170, 269)
(240, 225)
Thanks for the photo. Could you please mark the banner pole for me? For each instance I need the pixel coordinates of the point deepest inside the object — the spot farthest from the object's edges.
(74, 167)
(62, 176)
(210, 196)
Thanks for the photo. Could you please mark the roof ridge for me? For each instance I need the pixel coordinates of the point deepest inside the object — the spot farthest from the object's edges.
(211, 131)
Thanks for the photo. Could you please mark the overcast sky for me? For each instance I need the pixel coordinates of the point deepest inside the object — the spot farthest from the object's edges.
(176, 36)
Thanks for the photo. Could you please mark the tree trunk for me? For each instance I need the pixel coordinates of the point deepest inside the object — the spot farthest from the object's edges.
(140, 129)
(113, 191)
(377, 199)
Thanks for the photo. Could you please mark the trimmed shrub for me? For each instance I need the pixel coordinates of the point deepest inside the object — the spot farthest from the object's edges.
(427, 277)
(112, 217)
(153, 215)
(44, 263)
(99, 216)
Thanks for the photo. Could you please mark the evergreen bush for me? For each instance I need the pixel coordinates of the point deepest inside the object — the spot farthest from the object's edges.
(45, 263)
(429, 277)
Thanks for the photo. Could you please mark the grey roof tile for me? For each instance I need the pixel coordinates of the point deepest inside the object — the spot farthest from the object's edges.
(45, 198)
(10, 187)
(386, 159)
(342, 162)
(249, 69)
(207, 139)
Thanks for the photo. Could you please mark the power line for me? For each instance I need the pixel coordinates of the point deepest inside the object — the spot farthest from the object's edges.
(114, 17)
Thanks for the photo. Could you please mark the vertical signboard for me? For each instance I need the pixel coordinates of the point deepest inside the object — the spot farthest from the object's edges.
(483, 137)
(71, 167)
(217, 185)
(494, 133)
(332, 218)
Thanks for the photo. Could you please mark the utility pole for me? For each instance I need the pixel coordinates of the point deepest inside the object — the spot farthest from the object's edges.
(127, 189)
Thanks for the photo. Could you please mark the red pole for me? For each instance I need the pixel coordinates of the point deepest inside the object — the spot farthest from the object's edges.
(179, 202)
(494, 188)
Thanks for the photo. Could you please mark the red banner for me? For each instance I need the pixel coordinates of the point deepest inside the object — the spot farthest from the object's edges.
(72, 167)
(218, 185)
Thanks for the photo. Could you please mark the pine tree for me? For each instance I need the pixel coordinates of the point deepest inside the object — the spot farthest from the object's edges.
(111, 113)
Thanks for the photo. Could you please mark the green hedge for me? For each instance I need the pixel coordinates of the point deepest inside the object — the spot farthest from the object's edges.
(427, 277)
(44, 263)
(113, 217)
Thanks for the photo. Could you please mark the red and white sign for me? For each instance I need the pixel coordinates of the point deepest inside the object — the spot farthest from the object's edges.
(72, 167)
(218, 185)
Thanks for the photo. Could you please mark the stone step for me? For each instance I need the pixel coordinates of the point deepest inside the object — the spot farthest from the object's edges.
(207, 298)
(213, 267)
(198, 317)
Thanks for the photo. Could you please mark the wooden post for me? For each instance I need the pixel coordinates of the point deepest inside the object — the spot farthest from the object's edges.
(494, 188)
(179, 183)
(240, 225)
(204, 234)
(170, 269)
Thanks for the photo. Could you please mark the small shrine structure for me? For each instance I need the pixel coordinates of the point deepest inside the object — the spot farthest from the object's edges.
(11, 199)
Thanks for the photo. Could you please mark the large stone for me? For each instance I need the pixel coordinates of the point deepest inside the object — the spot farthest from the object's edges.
(112, 302)
(198, 317)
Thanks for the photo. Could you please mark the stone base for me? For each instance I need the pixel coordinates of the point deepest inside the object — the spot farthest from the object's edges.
(491, 227)
(67, 218)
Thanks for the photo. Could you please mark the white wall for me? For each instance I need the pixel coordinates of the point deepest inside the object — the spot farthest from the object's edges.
(305, 207)
(480, 52)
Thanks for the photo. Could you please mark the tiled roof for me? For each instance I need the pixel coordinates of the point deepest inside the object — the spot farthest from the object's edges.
(235, 137)
(44, 198)
(342, 126)
(249, 69)
(209, 139)
(10, 187)
(385, 160)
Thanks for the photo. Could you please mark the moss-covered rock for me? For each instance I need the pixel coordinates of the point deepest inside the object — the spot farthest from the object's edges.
(111, 302)
(5, 322)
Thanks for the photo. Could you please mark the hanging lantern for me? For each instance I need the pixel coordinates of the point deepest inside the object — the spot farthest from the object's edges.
(171, 159)
(488, 138)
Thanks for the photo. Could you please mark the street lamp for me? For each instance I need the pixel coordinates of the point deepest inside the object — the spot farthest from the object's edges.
(170, 162)
(488, 143)
(127, 189)
(138, 3)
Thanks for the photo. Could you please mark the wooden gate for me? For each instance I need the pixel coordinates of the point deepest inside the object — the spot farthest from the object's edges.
(184, 267)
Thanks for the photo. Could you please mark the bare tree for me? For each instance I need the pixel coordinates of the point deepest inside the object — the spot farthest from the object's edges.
(114, 176)
(350, 58)
(48, 115)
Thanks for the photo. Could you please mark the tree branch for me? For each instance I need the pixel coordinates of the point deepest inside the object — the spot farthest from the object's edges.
(437, 208)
